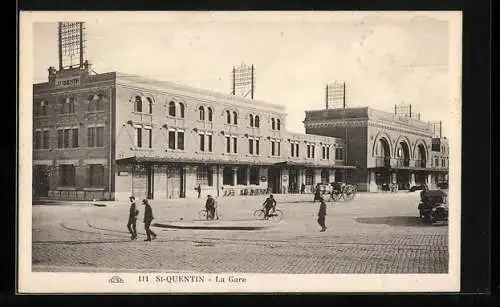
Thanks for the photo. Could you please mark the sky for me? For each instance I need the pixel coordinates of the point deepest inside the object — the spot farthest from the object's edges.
(383, 61)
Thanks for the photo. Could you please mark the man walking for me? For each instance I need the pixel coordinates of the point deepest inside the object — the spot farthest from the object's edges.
(198, 189)
(322, 214)
(132, 218)
(148, 218)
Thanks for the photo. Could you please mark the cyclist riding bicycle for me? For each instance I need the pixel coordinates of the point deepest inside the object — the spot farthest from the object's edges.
(269, 203)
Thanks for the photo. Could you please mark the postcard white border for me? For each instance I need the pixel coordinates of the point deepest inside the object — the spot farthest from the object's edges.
(37, 282)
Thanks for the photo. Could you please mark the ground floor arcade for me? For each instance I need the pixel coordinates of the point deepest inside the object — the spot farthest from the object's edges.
(404, 178)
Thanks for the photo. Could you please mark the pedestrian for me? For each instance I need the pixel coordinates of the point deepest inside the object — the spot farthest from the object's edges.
(198, 189)
(317, 193)
(132, 218)
(148, 218)
(210, 207)
(302, 189)
(322, 214)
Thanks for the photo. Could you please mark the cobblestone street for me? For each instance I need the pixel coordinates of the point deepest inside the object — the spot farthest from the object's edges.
(374, 233)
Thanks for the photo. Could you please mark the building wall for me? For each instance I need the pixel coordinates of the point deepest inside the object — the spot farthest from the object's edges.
(82, 156)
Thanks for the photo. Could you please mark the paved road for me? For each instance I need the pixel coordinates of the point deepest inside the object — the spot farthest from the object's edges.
(374, 233)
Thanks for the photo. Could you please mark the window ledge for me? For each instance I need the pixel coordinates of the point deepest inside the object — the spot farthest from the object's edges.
(65, 188)
(94, 189)
(141, 148)
(94, 112)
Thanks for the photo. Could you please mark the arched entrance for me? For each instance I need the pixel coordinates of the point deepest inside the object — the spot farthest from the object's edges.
(382, 152)
(403, 161)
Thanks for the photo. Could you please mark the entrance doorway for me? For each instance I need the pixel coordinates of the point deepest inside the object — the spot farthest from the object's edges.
(293, 186)
(41, 180)
(176, 187)
(274, 180)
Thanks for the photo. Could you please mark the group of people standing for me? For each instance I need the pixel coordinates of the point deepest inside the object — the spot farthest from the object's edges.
(148, 218)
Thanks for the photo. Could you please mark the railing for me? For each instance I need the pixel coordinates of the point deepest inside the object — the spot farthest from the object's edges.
(421, 163)
(403, 162)
(383, 162)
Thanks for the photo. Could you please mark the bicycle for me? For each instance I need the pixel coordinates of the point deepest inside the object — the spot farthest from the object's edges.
(203, 214)
(347, 194)
(274, 215)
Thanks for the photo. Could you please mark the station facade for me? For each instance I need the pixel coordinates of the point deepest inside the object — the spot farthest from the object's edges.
(384, 147)
(108, 136)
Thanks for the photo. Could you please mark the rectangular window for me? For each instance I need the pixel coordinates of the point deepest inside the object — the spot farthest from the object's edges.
(209, 142)
(90, 137)
(202, 142)
(228, 144)
(171, 139)
(292, 149)
(180, 140)
(442, 163)
(250, 146)
(96, 176)
(313, 151)
(71, 106)
(66, 138)
(74, 138)
(254, 175)
(339, 154)
(272, 148)
(138, 135)
(297, 150)
(59, 138)
(257, 147)
(100, 137)
(309, 177)
(204, 175)
(328, 152)
(436, 162)
(66, 175)
(235, 144)
(149, 135)
(278, 150)
(46, 139)
(38, 139)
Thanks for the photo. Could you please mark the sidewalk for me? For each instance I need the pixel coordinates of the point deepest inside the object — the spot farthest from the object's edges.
(280, 198)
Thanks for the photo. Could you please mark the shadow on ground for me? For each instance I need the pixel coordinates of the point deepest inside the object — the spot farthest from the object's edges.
(398, 221)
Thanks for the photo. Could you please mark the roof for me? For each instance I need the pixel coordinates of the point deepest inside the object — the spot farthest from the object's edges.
(149, 82)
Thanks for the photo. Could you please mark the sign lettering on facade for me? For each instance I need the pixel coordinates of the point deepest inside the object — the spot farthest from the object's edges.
(68, 82)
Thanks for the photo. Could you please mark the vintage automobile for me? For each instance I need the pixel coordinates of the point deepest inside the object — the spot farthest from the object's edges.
(433, 206)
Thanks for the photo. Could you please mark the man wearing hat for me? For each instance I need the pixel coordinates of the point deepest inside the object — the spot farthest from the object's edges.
(132, 218)
(148, 218)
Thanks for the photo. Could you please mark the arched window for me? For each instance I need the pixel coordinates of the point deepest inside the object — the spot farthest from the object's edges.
(182, 109)
(228, 117)
(273, 124)
(210, 114)
(150, 105)
(235, 118)
(201, 110)
(256, 121)
(171, 108)
(138, 104)
(278, 124)
(251, 120)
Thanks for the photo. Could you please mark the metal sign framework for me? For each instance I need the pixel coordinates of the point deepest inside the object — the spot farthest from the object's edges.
(244, 81)
(335, 95)
(71, 40)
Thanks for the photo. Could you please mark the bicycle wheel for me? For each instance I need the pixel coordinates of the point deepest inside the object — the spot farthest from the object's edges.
(202, 215)
(259, 214)
(276, 216)
(348, 196)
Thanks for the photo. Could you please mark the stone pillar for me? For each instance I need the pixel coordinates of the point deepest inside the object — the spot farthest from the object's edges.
(331, 175)
(412, 179)
(394, 178)
(190, 183)
(429, 181)
(247, 182)
(235, 176)
(372, 184)
(219, 180)
(300, 179)
(285, 181)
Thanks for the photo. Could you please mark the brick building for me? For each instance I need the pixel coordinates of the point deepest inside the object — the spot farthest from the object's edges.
(110, 135)
(384, 147)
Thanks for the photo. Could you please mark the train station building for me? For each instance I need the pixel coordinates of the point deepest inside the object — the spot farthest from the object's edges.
(107, 136)
(385, 148)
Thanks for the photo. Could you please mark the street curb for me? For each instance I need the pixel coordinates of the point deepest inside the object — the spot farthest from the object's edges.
(204, 227)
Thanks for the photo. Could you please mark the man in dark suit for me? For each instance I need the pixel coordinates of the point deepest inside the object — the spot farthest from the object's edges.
(210, 207)
(322, 214)
(148, 218)
(132, 218)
